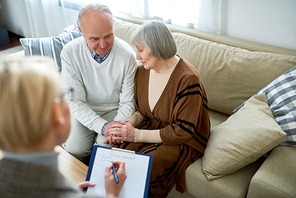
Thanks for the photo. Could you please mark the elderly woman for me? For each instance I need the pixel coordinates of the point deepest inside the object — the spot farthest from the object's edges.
(171, 117)
(34, 118)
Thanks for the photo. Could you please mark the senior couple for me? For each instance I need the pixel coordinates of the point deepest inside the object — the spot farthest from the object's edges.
(158, 108)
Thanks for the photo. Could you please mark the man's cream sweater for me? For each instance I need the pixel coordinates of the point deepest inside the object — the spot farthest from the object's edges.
(99, 88)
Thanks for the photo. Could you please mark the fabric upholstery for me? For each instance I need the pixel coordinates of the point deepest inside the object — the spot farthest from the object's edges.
(242, 139)
(124, 30)
(273, 179)
(281, 95)
(229, 186)
(217, 118)
(231, 75)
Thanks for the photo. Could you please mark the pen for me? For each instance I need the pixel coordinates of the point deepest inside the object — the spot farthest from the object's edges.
(115, 174)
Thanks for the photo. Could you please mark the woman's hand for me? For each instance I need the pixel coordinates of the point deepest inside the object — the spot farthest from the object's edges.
(112, 188)
(123, 131)
(85, 184)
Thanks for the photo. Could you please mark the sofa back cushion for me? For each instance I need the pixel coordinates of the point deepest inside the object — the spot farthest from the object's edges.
(229, 74)
(124, 30)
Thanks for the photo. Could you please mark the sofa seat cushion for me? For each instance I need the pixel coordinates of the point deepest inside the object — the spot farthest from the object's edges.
(231, 75)
(217, 118)
(276, 178)
(229, 186)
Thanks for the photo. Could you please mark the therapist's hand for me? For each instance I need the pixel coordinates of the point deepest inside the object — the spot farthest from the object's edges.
(112, 188)
(85, 184)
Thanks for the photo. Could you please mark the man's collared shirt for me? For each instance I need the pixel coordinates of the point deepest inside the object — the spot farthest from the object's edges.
(99, 58)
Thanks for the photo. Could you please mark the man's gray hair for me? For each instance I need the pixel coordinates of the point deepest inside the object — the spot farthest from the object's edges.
(96, 7)
(157, 38)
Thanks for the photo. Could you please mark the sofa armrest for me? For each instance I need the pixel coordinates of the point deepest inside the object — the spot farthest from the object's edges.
(277, 175)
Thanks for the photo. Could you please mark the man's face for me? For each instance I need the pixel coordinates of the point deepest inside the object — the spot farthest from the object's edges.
(97, 30)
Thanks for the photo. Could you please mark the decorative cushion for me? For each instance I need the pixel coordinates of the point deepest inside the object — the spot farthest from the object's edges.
(242, 139)
(281, 95)
(50, 46)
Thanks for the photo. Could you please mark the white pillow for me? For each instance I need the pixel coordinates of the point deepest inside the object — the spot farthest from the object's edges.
(242, 139)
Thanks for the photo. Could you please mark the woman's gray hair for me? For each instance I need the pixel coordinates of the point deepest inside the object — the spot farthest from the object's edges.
(97, 7)
(157, 38)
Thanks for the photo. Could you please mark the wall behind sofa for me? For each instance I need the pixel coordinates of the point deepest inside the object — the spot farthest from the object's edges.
(271, 22)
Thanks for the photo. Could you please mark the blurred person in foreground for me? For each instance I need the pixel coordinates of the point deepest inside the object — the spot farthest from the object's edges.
(34, 119)
(171, 121)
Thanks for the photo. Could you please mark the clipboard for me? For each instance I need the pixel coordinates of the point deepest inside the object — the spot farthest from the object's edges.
(138, 170)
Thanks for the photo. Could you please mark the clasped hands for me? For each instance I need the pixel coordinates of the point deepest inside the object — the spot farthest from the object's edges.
(118, 132)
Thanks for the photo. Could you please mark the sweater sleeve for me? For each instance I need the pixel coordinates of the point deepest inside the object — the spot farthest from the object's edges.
(126, 95)
(147, 136)
(79, 109)
(136, 118)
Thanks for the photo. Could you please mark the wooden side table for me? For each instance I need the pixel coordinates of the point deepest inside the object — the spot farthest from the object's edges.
(73, 169)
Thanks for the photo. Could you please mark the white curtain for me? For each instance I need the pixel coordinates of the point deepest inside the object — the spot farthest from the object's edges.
(50, 17)
(47, 17)
(204, 15)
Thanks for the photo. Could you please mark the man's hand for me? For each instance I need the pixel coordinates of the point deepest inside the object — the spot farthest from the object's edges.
(108, 126)
(106, 132)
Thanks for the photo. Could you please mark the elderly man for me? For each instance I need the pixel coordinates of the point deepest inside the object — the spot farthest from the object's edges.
(100, 68)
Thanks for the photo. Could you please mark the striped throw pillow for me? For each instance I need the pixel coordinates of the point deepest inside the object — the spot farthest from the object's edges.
(50, 46)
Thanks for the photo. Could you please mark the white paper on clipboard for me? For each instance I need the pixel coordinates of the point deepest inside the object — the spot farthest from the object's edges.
(137, 165)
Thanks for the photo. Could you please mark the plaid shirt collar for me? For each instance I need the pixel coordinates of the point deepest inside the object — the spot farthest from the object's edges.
(99, 58)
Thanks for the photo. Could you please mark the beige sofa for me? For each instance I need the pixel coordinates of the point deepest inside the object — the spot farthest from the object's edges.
(232, 71)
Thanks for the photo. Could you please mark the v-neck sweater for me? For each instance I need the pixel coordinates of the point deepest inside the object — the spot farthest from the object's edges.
(99, 88)
(157, 83)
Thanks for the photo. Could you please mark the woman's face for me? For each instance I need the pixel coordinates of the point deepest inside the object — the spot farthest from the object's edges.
(148, 60)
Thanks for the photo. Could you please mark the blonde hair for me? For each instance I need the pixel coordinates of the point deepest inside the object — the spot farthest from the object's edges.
(28, 88)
